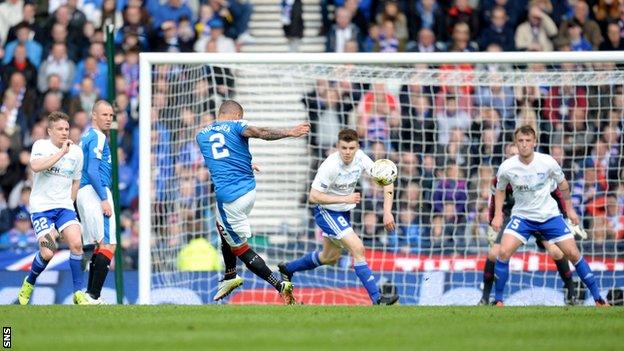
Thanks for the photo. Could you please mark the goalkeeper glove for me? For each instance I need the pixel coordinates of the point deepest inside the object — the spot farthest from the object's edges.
(578, 231)
(491, 235)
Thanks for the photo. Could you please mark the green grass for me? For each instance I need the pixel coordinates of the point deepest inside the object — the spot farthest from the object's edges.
(251, 328)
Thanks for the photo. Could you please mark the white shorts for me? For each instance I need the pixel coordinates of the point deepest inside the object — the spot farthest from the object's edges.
(96, 228)
(233, 218)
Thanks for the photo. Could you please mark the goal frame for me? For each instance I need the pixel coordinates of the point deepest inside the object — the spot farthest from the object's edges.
(147, 60)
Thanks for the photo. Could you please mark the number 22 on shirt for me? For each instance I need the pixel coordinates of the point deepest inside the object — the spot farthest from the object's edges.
(218, 146)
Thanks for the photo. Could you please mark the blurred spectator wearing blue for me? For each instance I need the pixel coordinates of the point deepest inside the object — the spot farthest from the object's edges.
(408, 237)
(172, 10)
(577, 40)
(25, 37)
(21, 238)
(95, 70)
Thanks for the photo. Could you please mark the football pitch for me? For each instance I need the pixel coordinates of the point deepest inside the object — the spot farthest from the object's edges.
(250, 328)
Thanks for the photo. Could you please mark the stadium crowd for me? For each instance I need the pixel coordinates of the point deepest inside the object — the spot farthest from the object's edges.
(446, 140)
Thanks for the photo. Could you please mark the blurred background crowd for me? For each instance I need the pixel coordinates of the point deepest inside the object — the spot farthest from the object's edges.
(446, 139)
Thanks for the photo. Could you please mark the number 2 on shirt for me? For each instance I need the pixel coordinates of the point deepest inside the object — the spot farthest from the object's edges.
(218, 146)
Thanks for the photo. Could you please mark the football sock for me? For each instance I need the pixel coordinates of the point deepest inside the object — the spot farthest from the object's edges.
(501, 273)
(38, 265)
(563, 267)
(229, 259)
(488, 279)
(75, 264)
(310, 261)
(586, 275)
(368, 280)
(257, 265)
(101, 266)
(92, 268)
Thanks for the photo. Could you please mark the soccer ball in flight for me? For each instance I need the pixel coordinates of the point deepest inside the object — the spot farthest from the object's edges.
(384, 172)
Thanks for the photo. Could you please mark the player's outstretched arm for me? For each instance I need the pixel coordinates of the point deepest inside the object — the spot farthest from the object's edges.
(317, 197)
(43, 163)
(388, 218)
(277, 133)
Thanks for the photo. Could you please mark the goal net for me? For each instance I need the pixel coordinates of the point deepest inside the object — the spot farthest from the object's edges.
(445, 120)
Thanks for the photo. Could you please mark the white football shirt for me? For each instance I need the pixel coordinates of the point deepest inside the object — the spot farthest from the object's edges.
(52, 187)
(336, 178)
(532, 185)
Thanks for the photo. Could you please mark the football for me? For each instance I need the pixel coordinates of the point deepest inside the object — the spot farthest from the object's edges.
(384, 172)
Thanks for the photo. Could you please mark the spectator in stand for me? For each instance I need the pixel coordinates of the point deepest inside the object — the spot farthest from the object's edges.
(500, 97)
(28, 16)
(614, 38)
(561, 101)
(388, 40)
(222, 43)
(22, 108)
(21, 63)
(615, 218)
(241, 11)
(577, 135)
(486, 152)
(10, 172)
(417, 123)
(460, 41)
(461, 12)
(513, 9)
(449, 118)
(108, 15)
(452, 188)
(10, 15)
(605, 12)
(57, 63)
(392, 13)
(590, 29)
(426, 42)
(449, 205)
(24, 36)
(292, 23)
(90, 68)
(535, 33)
(59, 35)
(172, 10)
(85, 99)
(498, 32)
(424, 14)
(577, 40)
(364, 9)
(341, 32)
(134, 25)
(408, 236)
(357, 15)
(21, 238)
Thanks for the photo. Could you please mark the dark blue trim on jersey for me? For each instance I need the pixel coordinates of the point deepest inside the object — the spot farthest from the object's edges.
(227, 225)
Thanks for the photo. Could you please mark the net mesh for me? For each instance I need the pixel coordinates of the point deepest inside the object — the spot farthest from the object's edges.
(445, 127)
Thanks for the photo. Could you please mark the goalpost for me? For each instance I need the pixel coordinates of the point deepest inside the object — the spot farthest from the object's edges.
(444, 118)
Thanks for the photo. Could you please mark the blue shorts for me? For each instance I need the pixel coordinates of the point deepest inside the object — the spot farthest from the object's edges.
(59, 218)
(553, 230)
(334, 224)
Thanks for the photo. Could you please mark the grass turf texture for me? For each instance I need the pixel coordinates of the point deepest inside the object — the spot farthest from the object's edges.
(251, 328)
